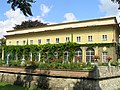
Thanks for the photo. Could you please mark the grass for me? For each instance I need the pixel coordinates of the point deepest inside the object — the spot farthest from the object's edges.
(7, 86)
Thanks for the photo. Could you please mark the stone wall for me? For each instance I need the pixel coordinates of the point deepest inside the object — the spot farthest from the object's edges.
(101, 78)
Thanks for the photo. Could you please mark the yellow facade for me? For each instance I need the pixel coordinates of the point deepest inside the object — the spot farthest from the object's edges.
(104, 30)
(95, 32)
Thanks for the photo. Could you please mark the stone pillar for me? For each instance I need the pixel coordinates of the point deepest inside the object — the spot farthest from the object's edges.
(2, 54)
(96, 50)
(84, 54)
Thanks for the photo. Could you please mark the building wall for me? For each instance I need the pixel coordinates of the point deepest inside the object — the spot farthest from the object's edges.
(95, 32)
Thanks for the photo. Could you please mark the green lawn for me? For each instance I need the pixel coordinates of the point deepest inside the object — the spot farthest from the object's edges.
(6, 86)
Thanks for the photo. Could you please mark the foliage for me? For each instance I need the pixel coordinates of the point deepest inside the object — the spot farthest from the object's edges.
(15, 63)
(116, 1)
(3, 41)
(23, 5)
(32, 64)
(115, 63)
(50, 49)
(65, 66)
(29, 24)
(7, 86)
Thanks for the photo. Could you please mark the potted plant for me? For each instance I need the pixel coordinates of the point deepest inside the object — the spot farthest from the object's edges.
(96, 58)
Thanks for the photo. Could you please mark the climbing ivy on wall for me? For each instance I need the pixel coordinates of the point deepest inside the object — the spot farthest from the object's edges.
(50, 48)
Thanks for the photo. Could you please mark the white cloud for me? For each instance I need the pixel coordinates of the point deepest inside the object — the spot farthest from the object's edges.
(13, 17)
(109, 8)
(44, 9)
(69, 17)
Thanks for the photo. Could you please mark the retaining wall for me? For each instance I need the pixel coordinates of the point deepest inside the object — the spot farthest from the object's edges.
(101, 78)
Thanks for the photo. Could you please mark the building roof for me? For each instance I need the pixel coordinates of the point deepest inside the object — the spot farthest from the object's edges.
(62, 26)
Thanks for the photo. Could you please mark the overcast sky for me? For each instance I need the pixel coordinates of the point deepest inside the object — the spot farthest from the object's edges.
(58, 11)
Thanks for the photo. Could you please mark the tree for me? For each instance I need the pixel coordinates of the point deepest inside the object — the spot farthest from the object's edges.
(23, 5)
(2, 41)
(116, 1)
(29, 24)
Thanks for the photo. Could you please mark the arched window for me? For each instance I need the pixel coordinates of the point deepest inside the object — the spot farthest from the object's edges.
(78, 55)
(66, 56)
(90, 55)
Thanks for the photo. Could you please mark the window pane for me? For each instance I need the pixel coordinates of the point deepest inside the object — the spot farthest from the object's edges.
(90, 55)
(57, 40)
(31, 41)
(39, 41)
(104, 57)
(48, 40)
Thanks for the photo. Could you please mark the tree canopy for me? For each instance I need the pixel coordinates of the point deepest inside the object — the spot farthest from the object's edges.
(116, 1)
(23, 5)
(29, 24)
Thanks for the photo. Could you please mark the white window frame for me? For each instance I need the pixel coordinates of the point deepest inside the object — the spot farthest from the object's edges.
(67, 39)
(30, 56)
(17, 42)
(104, 37)
(90, 51)
(10, 43)
(39, 41)
(90, 38)
(56, 55)
(77, 54)
(23, 57)
(78, 38)
(57, 40)
(24, 42)
(104, 57)
(66, 56)
(48, 41)
(38, 56)
(31, 42)
(46, 56)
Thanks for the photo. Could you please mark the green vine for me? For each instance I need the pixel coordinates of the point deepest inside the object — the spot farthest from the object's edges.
(49, 48)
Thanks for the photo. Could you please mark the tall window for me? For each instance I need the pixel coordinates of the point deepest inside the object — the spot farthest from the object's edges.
(66, 56)
(24, 42)
(90, 38)
(104, 57)
(31, 42)
(38, 56)
(23, 57)
(90, 55)
(78, 55)
(78, 38)
(57, 40)
(104, 37)
(67, 39)
(47, 41)
(46, 56)
(17, 42)
(39, 41)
